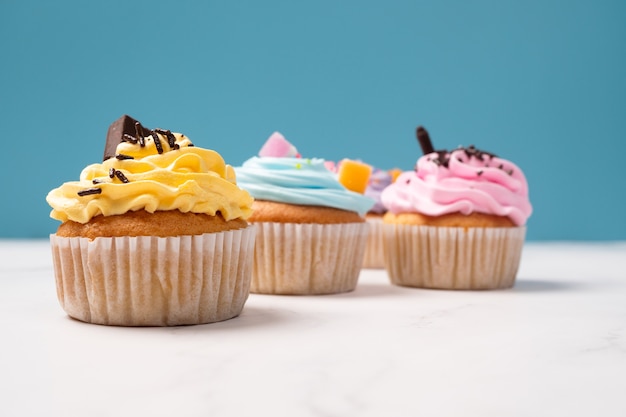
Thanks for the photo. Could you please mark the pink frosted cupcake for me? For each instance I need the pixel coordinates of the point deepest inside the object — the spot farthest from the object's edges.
(457, 221)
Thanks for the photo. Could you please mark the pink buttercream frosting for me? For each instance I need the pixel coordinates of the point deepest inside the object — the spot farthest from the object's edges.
(465, 180)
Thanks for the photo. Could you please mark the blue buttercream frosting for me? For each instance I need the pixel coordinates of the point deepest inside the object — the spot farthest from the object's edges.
(298, 181)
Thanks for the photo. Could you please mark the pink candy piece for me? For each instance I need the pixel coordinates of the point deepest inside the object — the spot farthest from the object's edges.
(277, 146)
(331, 166)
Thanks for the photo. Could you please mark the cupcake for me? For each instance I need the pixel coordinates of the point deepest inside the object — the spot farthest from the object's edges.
(457, 221)
(311, 230)
(155, 235)
(378, 181)
(372, 187)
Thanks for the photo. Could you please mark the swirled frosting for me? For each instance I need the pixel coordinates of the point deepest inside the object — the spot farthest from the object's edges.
(183, 177)
(298, 181)
(465, 180)
(378, 181)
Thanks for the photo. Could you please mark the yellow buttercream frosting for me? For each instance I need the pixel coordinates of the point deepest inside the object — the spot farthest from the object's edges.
(185, 178)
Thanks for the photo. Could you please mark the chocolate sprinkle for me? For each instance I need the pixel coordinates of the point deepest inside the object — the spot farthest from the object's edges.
(443, 157)
(424, 140)
(111, 172)
(171, 139)
(139, 134)
(472, 151)
(121, 176)
(121, 156)
(479, 172)
(96, 181)
(128, 138)
(89, 191)
(157, 142)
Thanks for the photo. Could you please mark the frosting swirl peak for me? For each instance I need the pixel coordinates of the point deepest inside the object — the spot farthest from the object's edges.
(163, 174)
(465, 180)
(298, 181)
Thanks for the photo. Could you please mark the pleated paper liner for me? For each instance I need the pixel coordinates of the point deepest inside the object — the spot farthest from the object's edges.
(154, 281)
(453, 257)
(374, 257)
(306, 259)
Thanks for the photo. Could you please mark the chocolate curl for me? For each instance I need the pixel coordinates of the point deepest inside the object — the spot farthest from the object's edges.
(424, 140)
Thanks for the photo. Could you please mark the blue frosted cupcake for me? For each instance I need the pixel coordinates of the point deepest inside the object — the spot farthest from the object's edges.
(311, 230)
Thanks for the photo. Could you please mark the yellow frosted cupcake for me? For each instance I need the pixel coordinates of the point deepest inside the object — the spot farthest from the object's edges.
(155, 235)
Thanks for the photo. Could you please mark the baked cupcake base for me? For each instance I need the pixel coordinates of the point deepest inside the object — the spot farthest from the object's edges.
(475, 258)
(154, 281)
(307, 259)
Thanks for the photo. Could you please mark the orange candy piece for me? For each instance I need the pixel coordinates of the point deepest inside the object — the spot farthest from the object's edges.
(395, 172)
(354, 175)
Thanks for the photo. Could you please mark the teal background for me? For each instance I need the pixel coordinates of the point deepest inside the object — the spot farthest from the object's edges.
(542, 83)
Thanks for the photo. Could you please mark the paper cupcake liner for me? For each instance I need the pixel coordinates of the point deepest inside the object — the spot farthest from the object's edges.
(453, 257)
(374, 257)
(154, 281)
(291, 258)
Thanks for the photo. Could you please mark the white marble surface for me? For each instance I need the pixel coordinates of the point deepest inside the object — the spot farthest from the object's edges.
(553, 345)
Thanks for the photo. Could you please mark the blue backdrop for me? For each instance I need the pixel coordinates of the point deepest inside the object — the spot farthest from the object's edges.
(542, 83)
